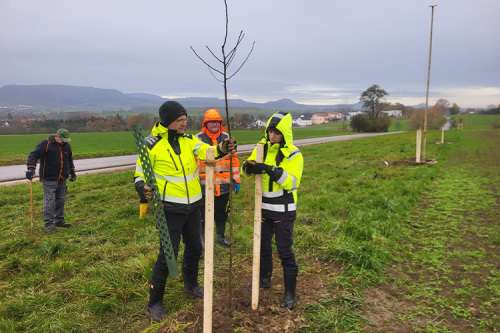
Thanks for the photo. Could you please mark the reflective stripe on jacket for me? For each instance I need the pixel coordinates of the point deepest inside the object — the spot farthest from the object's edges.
(173, 160)
(222, 168)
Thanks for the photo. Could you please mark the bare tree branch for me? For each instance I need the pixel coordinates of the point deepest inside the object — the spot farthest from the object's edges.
(226, 61)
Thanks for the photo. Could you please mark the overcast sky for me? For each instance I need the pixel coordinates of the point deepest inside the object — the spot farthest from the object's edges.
(313, 52)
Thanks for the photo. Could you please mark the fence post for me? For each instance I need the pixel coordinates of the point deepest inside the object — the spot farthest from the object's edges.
(419, 143)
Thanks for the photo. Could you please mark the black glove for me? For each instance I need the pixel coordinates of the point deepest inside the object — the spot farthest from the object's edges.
(259, 168)
(248, 167)
(30, 173)
(139, 187)
(228, 145)
(72, 177)
(273, 172)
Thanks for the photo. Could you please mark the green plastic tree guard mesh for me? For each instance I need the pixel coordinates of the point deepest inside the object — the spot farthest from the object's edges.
(161, 221)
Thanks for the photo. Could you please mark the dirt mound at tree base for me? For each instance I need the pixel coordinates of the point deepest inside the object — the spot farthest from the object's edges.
(412, 161)
(268, 317)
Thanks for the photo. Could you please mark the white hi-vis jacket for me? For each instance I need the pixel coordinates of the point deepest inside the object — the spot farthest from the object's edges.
(279, 198)
(173, 160)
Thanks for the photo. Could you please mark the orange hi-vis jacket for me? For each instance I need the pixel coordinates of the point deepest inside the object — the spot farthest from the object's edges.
(222, 168)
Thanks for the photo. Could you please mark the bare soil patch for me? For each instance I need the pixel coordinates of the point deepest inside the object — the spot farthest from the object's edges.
(269, 317)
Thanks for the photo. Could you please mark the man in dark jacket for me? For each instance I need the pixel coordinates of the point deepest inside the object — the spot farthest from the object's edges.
(56, 165)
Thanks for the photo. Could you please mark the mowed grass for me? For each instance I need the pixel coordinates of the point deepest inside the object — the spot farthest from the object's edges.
(354, 212)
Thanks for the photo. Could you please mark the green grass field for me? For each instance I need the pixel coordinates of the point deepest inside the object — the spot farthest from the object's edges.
(420, 243)
(15, 148)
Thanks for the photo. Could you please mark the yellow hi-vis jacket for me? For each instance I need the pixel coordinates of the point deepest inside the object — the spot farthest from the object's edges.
(279, 198)
(173, 160)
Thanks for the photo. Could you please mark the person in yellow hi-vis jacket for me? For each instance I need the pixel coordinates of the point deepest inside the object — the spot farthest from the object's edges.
(213, 133)
(282, 172)
(172, 153)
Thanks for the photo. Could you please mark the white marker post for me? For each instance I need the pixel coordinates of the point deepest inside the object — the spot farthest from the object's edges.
(419, 143)
(209, 242)
(257, 226)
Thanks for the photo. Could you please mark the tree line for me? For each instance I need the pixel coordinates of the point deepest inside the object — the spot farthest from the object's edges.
(82, 123)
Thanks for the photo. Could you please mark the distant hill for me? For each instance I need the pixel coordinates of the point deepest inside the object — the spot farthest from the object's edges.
(88, 98)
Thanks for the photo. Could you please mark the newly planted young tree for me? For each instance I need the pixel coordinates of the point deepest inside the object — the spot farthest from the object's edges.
(220, 71)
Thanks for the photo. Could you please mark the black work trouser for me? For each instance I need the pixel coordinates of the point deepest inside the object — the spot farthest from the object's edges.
(187, 227)
(283, 232)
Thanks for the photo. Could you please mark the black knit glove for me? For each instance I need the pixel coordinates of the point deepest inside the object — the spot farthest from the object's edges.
(273, 172)
(30, 173)
(248, 167)
(259, 168)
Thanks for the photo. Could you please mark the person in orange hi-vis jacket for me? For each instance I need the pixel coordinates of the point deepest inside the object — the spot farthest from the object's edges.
(213, 132)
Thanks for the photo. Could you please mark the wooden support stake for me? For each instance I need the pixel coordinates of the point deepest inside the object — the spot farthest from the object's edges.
(31, 203)
(442, 134)
(257, 226)
(419, 143)
(209, 242)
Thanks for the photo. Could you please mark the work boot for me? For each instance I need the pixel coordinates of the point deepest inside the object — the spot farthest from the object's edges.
(290, 277)
(190, 277)
(222, 241)
(155, 304)
(62, 224)
(266, 272)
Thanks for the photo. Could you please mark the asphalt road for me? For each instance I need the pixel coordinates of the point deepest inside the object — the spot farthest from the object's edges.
(15, 174)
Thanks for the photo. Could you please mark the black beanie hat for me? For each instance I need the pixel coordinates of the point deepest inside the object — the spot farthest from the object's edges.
(170, 111)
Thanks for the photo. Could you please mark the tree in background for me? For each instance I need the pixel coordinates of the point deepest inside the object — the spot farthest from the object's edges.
(371, 121)
(371, 99)
(454, 109)
(435, 118)
(492, 109)
(364, 123)
(442, 104)
(145, 119)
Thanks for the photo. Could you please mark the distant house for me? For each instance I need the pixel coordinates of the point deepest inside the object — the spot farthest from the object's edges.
(335, 115)
(351, 114)
(259, 123)
(303, 120)
(393, 113)
(319, 118)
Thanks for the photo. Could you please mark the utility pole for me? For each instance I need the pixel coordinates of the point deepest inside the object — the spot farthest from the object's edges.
(428, 78)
